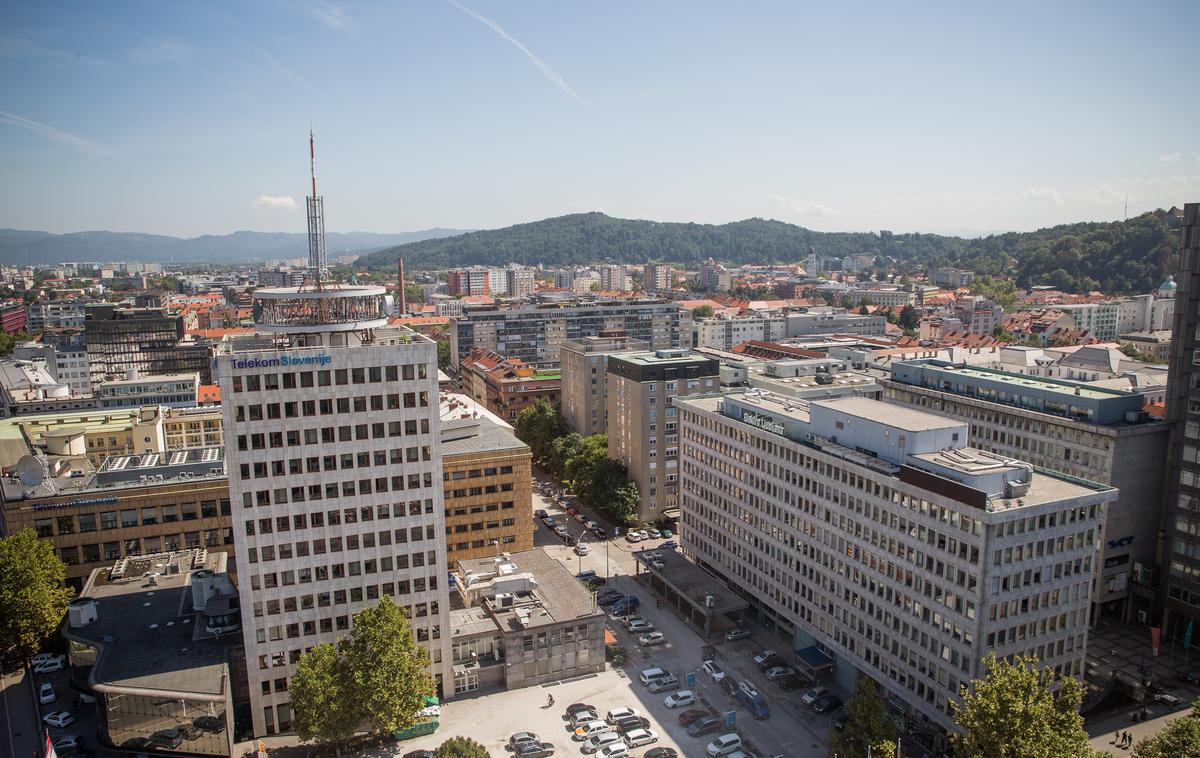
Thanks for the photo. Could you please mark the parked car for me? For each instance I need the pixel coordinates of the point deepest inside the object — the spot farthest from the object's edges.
(608, 597)
(735, 634)
(138, 743)
(561, 531)
(680, 699)
(632, 537)
(640, 627)
(827, 704)
(41, 658)
(520, 737)
(713, 669)
(534, 750)
(581, 549)
(58, 719)
(574, 708)
(418, 754)
(626, 605)
(730, 686)
(616, 714)
(652, 639)
(668, 682)
(779, 672)
(589, 729)
(653, 533)
(764, 655)
(839, 723)
(631, 723)
(687, 717)
(541, 513)
(68, 742)
(168, 738)
(814, 694)
(550, 522)
(661, 752)
(704, 726)
(49, 667)
(46, 694)
(599, 531)
(724, 745)
(639, 737)
(615, 750)
(583, 717)
(708, 653)
(648, 675)
(773, 662)
(1165, 697)
(667, 533)
(790, 683)
(213, 724)
(598, 740)
(643, 534)
(669, 544)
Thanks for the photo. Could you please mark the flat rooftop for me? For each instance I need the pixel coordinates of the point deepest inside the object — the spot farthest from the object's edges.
(895, 416)
(151, 639)
(659, 357)
(488, 436)
(1062, 387)
(557, 598)
(691, 581)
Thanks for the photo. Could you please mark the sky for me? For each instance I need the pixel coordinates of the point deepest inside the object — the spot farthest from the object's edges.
(190, 118)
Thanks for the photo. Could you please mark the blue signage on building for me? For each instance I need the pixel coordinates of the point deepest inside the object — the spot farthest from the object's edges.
(320, 359)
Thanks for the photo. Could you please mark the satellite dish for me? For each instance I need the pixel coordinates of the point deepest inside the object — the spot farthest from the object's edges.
(30, 471)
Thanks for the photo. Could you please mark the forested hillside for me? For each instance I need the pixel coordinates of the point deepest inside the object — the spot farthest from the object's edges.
(1117, 257)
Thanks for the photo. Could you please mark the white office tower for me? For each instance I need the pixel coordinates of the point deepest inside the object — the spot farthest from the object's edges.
(872, 540)
(332, 444)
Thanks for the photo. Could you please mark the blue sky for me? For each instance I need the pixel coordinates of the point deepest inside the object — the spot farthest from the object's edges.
(188, 118)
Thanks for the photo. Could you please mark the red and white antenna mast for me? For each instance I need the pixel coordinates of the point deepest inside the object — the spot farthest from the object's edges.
(316, 221)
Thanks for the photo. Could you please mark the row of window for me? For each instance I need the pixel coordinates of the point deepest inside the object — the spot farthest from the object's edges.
(129, 517)
(316, 464)
(112, 551)
(330, 406)
(290, 380)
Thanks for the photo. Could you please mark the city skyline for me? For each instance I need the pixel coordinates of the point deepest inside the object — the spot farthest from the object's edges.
(191, 120)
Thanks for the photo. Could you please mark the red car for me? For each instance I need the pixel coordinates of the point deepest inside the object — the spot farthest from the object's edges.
(687, 717)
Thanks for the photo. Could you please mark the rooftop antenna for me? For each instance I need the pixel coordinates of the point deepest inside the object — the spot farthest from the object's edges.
(316, 221)
(1126, 206)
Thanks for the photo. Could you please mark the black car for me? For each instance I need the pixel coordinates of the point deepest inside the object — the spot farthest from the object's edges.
(771, 662)
(418, 754)
(839, 723)
(629, 723)
(214, 724)
(704, 726)
(190, 731)
(574, 708)
(826, 704)
(540, 513)
(730, 685)
(138, 743)
(168, 738)
(708, 653)
(535, 750)
(790, 682)
(661, 752)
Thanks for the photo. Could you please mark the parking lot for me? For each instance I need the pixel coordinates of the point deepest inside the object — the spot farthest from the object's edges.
(66, 698)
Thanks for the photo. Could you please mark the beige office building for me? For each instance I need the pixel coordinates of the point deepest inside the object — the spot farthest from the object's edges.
(584, 378)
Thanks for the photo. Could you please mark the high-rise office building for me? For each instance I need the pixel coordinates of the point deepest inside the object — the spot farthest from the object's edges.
(871, 538)
(520, 281)
(585, 379)
(534, 333)
(656, 277)
(150, 340)
(1094, 433)
(613, 277)
(332, 440)
(643, 425)
(1181, 525)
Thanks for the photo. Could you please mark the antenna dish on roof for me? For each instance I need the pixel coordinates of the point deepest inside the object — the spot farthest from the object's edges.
(30, 471)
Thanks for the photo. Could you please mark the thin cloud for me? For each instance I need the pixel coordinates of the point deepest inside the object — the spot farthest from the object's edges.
(547, 71)
(18, 47)
(1044, 195)
(280, 68)
(804, 207)
(57, 135)
(330, 15)
(1170, 157)
(161, 51)
(274, 203)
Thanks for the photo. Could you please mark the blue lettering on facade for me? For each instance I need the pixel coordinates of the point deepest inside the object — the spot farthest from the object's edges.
(320, 359)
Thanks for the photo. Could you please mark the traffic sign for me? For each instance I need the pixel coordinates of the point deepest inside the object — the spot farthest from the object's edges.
(730, 718)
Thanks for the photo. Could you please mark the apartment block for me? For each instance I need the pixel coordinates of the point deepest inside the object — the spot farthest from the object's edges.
(656, 277)
(643, 423)
(1093, 433)
(535, 333)
(875, 540)
(722, 332)
(585, 378)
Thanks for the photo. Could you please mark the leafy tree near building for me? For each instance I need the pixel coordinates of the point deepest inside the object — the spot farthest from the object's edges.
(1020, 710)
(1180, 738)
(460, 747)
(324, 710)
(443, 353)
(538, 426)
(563, 449)
(624, 503)
(1034, 340)
(33, 599)
(702, 311)
(910, 317)
(867, 731)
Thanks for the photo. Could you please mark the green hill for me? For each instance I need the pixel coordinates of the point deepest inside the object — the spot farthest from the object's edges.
(1119, 257)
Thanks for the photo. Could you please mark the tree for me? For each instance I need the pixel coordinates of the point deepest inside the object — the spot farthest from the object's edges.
(9, 341)
(443, 352)
(1015, 711)
(1034, 340)
(538, 426)
(702, 311)
(623, 506)
(563, 449)
(32, 596)
(910, 317)
(388, 672)
(460, 747)
(867, 730)
(1180, 738)
(324, 709)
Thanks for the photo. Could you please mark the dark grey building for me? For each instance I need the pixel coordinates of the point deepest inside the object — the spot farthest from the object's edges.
(150, 340)
(1181, 523)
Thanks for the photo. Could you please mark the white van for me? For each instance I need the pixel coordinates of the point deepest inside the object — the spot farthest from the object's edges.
(724, 745)
(649, 675)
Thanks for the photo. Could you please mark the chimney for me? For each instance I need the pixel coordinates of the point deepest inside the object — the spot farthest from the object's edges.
(400, 287)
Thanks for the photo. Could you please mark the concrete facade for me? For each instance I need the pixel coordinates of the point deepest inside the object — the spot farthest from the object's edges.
(585, 379)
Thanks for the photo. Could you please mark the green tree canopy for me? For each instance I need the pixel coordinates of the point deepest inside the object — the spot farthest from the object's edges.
(33, 599)
(563, 449)
(910, 317)
(388, 672)
(538, 426)
(324, 709)
(443, 353)
(1015, 711)
(867, 731)
(702, 311)
(460, 747)
(1180, 738)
